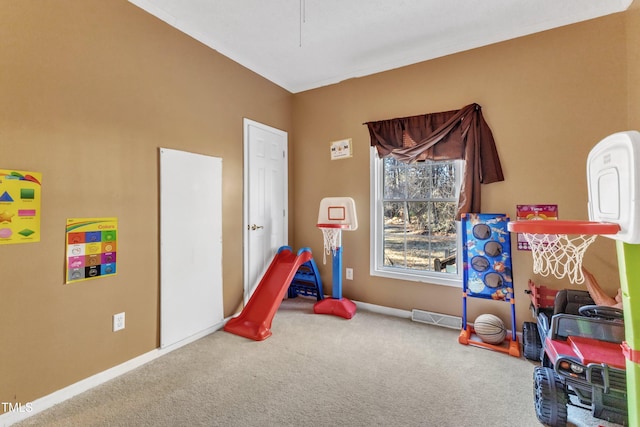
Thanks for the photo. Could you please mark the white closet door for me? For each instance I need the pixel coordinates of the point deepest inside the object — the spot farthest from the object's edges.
(190, 245)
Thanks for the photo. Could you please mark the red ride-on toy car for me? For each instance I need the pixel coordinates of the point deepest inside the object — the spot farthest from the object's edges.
(546, 302)
(583, 365)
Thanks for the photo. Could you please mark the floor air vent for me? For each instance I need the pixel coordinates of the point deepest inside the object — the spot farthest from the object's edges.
(436, 319)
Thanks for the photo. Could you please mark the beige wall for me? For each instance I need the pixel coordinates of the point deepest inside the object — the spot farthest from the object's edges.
(89, 90)
(548, 98)
(632, 26)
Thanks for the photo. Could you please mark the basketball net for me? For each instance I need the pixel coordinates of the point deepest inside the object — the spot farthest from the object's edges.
(332, 241)
(559, 254)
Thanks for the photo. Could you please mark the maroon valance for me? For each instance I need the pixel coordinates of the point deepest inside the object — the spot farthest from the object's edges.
(450, 135)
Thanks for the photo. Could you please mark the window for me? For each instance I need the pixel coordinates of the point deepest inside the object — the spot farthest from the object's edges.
(414, 235)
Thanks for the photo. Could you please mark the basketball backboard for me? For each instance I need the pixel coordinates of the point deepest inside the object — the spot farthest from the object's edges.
(338, 212)
(613, 179)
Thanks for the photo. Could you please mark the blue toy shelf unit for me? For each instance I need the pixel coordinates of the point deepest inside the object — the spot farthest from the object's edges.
(487, 273)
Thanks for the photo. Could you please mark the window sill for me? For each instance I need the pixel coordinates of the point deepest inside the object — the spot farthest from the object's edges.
(433, 278)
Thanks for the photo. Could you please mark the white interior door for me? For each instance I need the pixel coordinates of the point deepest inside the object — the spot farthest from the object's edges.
(265, 199)
(190, 245)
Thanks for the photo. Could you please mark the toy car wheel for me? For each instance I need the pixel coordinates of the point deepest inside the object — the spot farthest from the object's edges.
(550, 397)
(531, 344)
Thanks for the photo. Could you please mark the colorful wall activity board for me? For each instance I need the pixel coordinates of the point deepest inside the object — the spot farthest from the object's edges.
(20, 193)
(91, 248)
(533, 212)
(487, 256)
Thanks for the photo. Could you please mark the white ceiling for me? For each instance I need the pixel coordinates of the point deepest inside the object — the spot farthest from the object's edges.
(305, 44)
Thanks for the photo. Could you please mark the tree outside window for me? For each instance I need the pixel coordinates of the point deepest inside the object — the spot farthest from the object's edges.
(414, 233)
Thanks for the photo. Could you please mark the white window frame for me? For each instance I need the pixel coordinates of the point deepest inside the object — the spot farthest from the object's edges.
(377, 267)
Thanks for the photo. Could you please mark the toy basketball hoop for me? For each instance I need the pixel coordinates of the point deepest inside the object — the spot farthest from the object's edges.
(614, 210)
(335, 214)
(558, 247)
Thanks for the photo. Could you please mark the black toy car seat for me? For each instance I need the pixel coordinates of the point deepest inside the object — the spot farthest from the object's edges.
(569, 301)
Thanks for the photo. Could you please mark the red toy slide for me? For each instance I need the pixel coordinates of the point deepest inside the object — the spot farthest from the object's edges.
(254, 321)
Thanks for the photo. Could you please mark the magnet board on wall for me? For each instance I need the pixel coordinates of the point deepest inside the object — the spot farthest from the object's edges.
(190, 245)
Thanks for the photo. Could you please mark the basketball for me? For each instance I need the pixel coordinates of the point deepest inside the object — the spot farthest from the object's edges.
(490, 329)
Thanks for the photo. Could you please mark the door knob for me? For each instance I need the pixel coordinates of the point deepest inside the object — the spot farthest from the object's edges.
(254, 227)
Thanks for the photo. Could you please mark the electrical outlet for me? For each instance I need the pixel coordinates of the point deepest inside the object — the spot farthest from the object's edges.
(118, 321)
(348, 272)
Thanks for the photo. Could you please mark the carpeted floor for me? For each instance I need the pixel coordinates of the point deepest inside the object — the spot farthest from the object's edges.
(318, 370)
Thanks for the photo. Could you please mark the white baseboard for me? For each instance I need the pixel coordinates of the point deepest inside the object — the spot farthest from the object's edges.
(405, 313)
(389, 311)
(59, 396)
